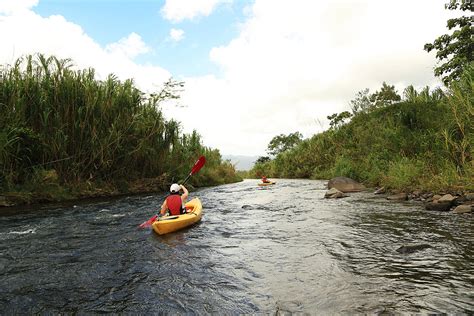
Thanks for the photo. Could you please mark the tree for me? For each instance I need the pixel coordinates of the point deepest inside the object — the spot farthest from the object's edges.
(283, 142)
(456, 48)
(262, 159)
(361, 103)
(386, 96)
(336, 120)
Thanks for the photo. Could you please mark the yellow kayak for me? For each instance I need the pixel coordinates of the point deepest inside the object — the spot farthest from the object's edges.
(262, 184)
(168, 224)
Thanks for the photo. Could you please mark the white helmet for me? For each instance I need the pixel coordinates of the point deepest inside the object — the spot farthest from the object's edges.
(174, 188)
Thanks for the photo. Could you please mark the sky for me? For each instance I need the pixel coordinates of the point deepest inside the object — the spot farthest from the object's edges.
(253, 69)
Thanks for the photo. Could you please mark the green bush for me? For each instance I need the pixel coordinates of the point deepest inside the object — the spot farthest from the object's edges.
(345, 167)
(404, 173)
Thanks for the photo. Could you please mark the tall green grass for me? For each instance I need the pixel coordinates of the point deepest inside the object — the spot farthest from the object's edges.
(55, 117)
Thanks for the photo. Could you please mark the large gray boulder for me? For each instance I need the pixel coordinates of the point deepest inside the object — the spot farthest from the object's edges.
(344, 184)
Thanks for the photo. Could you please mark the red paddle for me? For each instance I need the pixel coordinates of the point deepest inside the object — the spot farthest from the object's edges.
(197, 166)
(148, 222)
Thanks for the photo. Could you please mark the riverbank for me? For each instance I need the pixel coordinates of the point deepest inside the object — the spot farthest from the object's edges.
(53, 192)
(457, 201)
(443, 201)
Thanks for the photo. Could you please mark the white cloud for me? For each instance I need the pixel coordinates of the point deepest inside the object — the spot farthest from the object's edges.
(130, 46)
(12, 6)
(294, 63)
(179, 10)
(24, 32)
(176, 35)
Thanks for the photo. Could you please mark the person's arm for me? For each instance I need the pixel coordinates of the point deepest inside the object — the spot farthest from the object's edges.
(185, 194)
(164, 207)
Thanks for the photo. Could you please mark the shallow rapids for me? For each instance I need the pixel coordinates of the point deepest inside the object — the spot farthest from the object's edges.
(281, 248)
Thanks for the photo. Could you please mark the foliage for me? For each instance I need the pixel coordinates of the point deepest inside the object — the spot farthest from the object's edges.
(337, 119)
(364, 101)
(283, 142)
(262, 169)
(243, 174)
(345, 167)
(458, 133)
(424, 141)
(88, 130)
(262, 159)
(455, 50)
(361, 103)
(386, 96)
(403, 173)
(425, 95)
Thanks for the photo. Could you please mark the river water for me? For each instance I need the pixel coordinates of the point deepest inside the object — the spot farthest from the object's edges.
(277, 249)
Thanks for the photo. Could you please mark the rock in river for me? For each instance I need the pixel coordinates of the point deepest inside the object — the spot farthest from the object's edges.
(334, 194)
(344, 184)
(436, 206)
(412, 248)
(465, 208)
(398, 197)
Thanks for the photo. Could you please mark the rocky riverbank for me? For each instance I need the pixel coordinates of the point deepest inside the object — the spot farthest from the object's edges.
(456, 201)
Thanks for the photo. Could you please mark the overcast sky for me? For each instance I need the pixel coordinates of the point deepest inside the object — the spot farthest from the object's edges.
(253, 69)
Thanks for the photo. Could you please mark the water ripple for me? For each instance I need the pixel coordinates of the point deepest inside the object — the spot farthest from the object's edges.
(280, 249)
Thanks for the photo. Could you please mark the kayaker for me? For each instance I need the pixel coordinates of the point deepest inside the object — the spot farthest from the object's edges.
(265, 180)
(174, 203)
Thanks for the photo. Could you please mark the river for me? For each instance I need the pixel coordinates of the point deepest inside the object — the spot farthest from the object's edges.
(277, 249)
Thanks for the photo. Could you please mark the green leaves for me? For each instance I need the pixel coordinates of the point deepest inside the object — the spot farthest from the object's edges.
(456, 48)
(336, 120)
(386, 96)
(283, 142)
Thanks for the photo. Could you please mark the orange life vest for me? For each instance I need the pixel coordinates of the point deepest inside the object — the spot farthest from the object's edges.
(175, 204)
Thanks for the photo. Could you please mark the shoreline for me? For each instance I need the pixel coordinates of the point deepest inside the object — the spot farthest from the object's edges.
(459, 200)
(454, 201)
(83, 192)
(444, 200)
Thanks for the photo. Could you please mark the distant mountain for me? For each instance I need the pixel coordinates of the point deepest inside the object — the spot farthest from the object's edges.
(241, 162)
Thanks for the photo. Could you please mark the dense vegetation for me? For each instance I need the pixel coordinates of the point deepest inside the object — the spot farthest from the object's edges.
(62, 131)
(425, 141)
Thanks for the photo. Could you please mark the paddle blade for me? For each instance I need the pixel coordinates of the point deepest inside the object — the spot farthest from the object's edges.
(198, 165)
(148, 222)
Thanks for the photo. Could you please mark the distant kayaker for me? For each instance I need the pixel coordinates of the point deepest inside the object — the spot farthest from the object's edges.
(265, 180)
(174, 203)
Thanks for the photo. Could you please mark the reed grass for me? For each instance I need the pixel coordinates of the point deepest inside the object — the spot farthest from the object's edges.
(55, 117)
